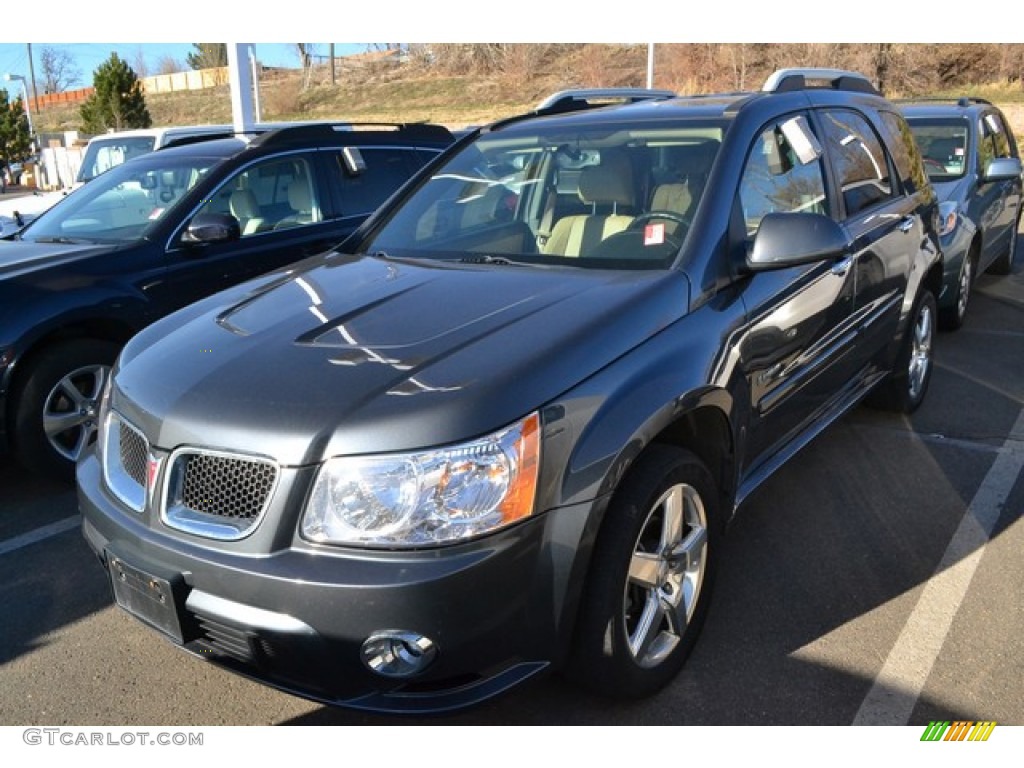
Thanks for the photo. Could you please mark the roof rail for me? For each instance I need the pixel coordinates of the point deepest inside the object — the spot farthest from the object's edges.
(795, 79)
(579, 98)
(962, 101)
(966, 101)
(329, 131)
(197, 138)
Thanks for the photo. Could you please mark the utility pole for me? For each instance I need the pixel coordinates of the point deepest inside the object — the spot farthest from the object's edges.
(32, 77)
(240, 80)
(650, 65)
(334, 79)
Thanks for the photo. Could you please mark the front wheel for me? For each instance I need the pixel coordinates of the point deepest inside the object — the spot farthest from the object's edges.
(650, 577)
(1004, 264)
(951, 318)
(57, 407)
(904, 389)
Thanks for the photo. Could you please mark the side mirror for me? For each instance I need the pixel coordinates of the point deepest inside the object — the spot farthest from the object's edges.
(212, 228)
(789, 239)
(1003, 169)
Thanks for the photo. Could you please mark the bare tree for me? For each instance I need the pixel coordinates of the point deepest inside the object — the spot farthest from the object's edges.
(139, 62)
(58, 69)
(168, 65)
(306, 61)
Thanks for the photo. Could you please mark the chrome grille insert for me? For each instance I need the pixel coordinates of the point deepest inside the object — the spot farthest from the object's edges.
(216, 494)
(125, 461)
(134, 453)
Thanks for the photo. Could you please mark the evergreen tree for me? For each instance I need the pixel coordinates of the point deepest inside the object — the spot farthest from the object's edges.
(14, 134)
(117, 102)
(208, 55)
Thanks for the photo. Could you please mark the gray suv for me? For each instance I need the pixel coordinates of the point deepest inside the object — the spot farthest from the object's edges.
(500, 430)
(970, 155)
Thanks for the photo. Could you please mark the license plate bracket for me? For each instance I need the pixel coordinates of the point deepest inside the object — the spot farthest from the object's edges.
(150, 595)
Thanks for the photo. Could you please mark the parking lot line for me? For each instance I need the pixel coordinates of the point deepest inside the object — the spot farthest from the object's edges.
(898, 685)
(39, 534)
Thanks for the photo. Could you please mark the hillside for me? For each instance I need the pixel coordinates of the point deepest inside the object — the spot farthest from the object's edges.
(459, 85)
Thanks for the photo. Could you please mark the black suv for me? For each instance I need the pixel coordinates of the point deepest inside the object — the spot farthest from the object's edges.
(971, 157)
(502, 429)
(160, 232)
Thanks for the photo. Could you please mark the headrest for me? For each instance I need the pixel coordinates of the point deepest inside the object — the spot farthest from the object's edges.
(243, 204)
(671, 197)
(609, 182)
(298, 196)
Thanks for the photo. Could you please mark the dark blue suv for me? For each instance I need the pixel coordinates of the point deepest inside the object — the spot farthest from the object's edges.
(158, 232)
(971, 157)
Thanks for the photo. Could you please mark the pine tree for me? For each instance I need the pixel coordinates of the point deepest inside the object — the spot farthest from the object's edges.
(14, 134)
(117, 102)
(208, 55)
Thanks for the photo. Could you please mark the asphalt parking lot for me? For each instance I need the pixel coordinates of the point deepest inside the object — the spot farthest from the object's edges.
(874, 580)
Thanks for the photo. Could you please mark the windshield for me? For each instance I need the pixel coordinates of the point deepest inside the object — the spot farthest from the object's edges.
(123, 205)
(943, 146)
(103, 154)
(606, 196)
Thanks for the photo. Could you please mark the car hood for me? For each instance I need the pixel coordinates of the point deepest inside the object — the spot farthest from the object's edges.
(356, 354)
(20, 256)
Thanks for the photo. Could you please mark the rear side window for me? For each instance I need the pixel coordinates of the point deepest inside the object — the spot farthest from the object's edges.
(387, 168)
(859, 161)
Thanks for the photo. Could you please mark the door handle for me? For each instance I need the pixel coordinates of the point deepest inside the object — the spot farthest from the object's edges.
(907, 224)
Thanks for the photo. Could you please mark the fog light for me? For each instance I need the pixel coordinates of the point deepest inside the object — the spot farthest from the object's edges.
(398, 653)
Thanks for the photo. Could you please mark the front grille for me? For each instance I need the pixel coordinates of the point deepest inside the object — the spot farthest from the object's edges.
(218, 495)
(226, 487)
(133, 452)
(125, 461)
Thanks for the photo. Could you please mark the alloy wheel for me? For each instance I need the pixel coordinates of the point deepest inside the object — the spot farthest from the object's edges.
(920, 350)
(666, 574)
(71, 410)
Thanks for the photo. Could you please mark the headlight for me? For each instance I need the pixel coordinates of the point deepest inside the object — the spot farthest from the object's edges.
(947, 217)
(430, 497)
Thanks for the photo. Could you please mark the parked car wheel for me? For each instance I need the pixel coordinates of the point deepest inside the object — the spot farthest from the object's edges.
(905, 388)
(651, 576)
(58, 405)
(951, 318)
(1004, 263)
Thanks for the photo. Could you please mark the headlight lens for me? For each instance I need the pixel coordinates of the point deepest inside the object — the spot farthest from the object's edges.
(947, 217)
(427, 498)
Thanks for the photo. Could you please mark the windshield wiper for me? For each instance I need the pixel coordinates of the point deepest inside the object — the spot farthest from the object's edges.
(61, 240)
(485, 258)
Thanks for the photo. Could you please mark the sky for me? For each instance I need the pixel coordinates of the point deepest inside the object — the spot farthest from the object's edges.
(88, 56)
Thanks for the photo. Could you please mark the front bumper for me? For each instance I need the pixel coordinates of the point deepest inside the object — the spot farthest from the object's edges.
(499, 609)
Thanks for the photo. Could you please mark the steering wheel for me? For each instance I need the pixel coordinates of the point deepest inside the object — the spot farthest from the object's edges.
(678, 218)
(629, 243)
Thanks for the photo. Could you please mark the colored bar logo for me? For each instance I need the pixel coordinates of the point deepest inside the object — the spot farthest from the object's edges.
(959, 730)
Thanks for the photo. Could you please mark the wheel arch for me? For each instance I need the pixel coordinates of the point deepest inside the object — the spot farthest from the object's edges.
(84, 329)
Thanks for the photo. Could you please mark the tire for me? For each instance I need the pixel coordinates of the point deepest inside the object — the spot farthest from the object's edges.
(56, 407)
(904, 389)
(650, 577)
(952, 318)
(1004, 264)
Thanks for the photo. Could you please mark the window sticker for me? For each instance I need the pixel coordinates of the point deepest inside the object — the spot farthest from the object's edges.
(654, 234)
